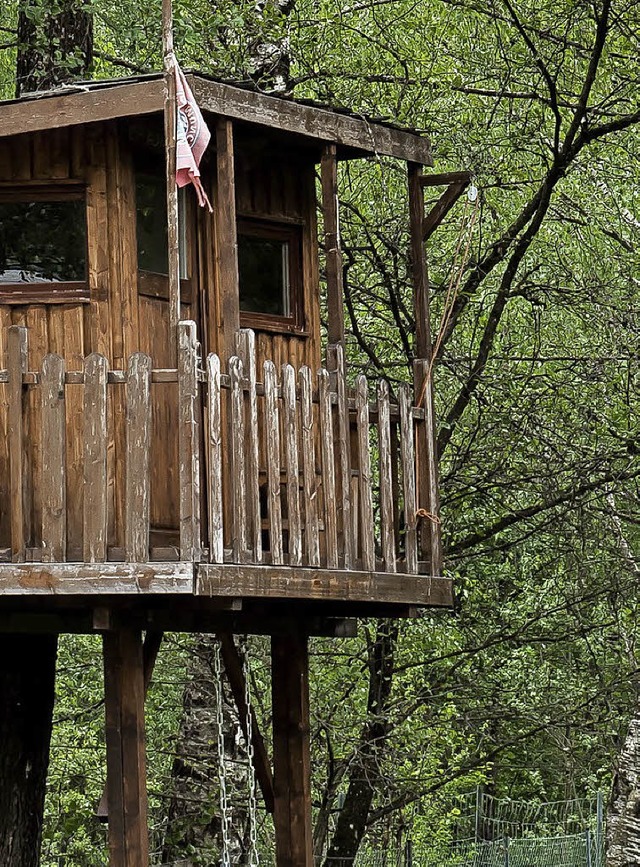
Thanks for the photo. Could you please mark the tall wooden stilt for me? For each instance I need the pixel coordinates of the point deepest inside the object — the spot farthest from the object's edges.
(126, 771)
(291, 757)
(426, 458)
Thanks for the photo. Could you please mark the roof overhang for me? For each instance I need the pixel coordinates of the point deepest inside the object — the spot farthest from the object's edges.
(93, 102)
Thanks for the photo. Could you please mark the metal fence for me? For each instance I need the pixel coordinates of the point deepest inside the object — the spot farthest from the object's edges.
(491, 832)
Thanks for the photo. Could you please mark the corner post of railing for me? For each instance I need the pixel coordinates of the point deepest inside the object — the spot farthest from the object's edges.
(428, 496)
(17, 354)
(426, 458)
(479, 813)
(189, 441)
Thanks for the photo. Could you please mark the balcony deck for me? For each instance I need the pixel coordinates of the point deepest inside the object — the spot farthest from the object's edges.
(288, 486)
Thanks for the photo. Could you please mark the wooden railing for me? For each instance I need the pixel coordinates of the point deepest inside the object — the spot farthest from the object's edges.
(274, 467)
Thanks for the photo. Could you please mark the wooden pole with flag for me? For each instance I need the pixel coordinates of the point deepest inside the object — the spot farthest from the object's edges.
(170, 133)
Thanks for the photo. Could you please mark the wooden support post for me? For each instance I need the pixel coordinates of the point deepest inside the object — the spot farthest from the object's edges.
(419, 264)
(426, 458)
(170, 135)
(17, 361)
(291, 757)
(427, 471)
(150, 649)
(125, 735)
(226, 238)
(329, 177)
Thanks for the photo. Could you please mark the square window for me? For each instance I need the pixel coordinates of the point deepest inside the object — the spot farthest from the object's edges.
(270, 274)
(43, 244)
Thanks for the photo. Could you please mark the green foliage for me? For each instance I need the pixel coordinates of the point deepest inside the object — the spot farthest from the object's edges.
(528, 687)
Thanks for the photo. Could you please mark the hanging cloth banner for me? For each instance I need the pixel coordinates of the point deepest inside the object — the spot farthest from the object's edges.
(192, 138)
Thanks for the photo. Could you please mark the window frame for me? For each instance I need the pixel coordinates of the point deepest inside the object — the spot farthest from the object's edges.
(291, 232)
(47, 292)
(153, 284)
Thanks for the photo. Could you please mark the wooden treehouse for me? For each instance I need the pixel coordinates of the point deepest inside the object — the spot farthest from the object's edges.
(180, 451)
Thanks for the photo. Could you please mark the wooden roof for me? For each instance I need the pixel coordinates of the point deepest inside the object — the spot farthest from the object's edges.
(88, 102)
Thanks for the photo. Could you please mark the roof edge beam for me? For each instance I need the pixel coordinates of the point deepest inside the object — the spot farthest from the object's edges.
(75, 107)
(314, 123)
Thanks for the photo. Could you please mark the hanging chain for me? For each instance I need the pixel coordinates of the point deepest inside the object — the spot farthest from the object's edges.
(225, 858)
(254, 859)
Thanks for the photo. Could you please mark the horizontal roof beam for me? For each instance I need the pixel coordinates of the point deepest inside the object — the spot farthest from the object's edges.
(316, 123)
(101, 102)
(81, 106)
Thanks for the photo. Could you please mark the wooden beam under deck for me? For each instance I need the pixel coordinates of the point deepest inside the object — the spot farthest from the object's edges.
(185, 579)
(286, 582)
(95, 579)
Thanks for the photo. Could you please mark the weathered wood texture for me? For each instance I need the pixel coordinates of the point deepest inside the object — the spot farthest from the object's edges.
(94, 161)
(333, 254)
(315, 123)
(54, 494)
(284, 582)
(106, 579)
(189, 441)
(103, 102)
(125, 735)
(291, 750)
(272, 184)
(297, 493)
(428, 498)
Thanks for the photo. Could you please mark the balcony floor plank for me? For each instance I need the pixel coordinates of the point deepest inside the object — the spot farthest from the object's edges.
(285, 582)
(64, 579)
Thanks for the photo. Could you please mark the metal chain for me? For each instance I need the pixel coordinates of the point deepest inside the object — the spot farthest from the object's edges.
(254, 859)
(225, 855)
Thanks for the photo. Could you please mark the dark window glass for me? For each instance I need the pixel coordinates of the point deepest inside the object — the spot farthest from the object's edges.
(43, 241)
(151, 222)
(151, 225)
(264, 265)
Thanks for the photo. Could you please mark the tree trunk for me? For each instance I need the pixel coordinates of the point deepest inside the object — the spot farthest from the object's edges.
(365, 772)
(55, 43)
(623, 820)
(194, 832)
(27, 691)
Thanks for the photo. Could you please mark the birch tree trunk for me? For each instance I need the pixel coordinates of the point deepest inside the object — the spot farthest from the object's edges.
(194, 831)
(623, 819)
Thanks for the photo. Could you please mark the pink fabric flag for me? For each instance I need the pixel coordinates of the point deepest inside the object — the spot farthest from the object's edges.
(192, 139)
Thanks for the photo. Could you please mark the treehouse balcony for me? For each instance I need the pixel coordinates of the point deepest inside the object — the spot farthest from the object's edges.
(238, 481)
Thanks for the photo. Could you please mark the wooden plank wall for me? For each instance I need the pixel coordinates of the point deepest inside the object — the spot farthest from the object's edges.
(277, 186)
(116, 323)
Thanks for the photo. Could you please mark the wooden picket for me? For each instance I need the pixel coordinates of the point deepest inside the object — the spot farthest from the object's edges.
(301, 491)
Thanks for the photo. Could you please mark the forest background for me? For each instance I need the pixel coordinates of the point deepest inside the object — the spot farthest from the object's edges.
(528, 688)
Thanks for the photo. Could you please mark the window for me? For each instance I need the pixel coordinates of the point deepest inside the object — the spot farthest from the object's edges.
(270, 274)
(43, 244)
(152, 237)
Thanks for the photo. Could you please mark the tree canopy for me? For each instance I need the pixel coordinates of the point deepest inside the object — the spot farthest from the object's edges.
(529, 686)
